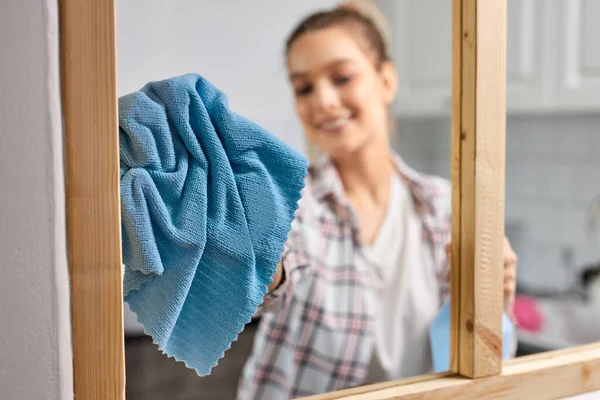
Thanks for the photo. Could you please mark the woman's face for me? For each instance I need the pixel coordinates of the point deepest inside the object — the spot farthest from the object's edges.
(341, 96)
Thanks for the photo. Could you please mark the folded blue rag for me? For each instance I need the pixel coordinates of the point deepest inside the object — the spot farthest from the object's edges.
(207, 200)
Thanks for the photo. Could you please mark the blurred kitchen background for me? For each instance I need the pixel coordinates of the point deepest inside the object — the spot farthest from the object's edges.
(553, 141)
(552, 149)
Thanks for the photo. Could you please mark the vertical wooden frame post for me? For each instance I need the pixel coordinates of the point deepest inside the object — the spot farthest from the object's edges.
(88, 67)
(478, 162)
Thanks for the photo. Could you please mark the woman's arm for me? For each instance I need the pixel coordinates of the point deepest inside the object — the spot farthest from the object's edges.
(293, 263)
(277, 278)
(295, 259)
(279, 290)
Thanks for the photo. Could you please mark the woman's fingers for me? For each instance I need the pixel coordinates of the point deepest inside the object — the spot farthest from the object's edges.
(510, 258)
(510, 269)
(510, 277)
(510, 284)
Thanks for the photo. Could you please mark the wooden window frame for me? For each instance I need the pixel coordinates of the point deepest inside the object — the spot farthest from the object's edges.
(89, 83)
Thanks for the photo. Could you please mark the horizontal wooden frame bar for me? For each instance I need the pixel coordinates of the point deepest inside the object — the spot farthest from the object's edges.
(551, 375)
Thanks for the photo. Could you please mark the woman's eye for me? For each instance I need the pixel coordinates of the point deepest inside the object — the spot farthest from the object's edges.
(303, 90)
(340, 80)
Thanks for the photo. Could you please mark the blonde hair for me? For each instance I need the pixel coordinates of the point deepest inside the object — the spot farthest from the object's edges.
(368, 9)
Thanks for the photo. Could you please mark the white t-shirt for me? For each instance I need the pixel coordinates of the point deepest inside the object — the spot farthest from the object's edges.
(405, 289)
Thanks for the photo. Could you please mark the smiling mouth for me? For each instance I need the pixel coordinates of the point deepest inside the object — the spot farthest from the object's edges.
(334, 125)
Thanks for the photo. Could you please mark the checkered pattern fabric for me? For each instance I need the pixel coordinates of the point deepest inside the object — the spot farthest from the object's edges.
(316, 332)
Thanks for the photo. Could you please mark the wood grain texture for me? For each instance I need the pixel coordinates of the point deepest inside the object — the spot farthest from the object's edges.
(482, 157)
(455, 170)
(88, 66)
(551, 375)
(490, 184)
(376, 387)
(466, 295)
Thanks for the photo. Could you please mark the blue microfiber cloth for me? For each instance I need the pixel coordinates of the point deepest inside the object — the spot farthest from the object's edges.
(207, 200)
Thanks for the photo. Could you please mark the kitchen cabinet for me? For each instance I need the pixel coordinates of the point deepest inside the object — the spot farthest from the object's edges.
(553, 61)
(421, 46)
(579, 66)
(530, 67)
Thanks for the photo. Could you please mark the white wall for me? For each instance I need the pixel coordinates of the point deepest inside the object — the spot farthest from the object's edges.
(237, 44)
(35, 351)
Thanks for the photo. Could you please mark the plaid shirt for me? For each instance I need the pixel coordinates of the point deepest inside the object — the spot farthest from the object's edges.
(316, 332)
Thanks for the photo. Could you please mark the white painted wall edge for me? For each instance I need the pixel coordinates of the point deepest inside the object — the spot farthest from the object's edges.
(62, 317)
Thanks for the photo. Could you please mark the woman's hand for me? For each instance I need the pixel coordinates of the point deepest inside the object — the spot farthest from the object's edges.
(510, 276)
(277, 278)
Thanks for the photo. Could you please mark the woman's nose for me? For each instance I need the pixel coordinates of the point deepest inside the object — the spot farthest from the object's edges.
(325, 98)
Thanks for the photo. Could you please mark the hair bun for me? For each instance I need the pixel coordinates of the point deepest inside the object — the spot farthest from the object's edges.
(369, 10)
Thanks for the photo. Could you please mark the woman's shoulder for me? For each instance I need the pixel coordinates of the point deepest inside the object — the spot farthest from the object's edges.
(310, 202)
(433, 190)
(428, 185)
(439, 186)
(315, 206)
(440, 197)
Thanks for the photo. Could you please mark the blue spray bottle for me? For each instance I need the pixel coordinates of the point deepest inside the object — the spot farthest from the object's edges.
(439, 336)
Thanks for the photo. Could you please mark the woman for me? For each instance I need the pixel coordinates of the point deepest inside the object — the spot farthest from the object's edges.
(365, 266)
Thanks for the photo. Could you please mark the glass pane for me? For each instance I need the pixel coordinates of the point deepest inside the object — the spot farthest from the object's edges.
(552, 169)
(368, 279)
